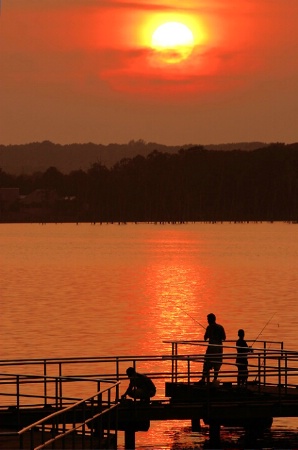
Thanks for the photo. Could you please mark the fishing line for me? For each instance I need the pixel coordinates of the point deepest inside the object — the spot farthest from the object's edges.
(195, 320)
(263, 328)
(263, 362)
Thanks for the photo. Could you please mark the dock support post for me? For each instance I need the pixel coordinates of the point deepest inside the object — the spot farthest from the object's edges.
(195, 425)
(129, 439)
(214, 434)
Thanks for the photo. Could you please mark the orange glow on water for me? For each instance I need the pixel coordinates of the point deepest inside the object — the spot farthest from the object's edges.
(177, 283)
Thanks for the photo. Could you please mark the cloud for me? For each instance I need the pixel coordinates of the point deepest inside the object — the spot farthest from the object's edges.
(79, 42)
(207, 70)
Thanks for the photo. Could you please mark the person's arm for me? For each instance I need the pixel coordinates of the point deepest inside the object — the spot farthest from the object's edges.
(249, 349)
(125, 394)
(127, 390)
(223, 334)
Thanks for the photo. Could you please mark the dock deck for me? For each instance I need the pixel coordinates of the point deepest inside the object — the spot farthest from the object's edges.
(45, 401)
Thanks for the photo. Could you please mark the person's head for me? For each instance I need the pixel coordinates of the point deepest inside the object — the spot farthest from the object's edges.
(211, 318)
(241, 333)
(130, 372)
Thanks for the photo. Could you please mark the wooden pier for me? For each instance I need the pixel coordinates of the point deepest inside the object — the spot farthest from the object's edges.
(46, 401)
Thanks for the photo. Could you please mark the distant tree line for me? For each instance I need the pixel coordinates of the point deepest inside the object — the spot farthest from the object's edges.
(39, 156)
(194, 184)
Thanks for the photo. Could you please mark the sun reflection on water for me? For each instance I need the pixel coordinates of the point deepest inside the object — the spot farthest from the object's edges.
(179, 290)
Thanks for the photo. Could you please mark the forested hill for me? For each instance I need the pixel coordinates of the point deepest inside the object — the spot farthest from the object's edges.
(194, 184)
(39, 156)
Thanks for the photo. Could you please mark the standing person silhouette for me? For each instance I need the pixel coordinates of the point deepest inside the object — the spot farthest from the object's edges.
(241, 359)
(215, 334)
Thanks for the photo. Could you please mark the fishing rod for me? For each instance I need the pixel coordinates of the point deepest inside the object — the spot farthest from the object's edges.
(263, 329)
(264, 357)
(195, 320)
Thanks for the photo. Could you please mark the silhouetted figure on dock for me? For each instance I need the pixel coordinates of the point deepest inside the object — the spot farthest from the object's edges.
(242, 362)
(215, 334)
(140, 386)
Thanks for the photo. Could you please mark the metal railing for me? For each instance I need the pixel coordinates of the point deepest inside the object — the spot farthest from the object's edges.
(269, 360)
(63, 415)
(93, 430)
(57, 382)
(269, 363)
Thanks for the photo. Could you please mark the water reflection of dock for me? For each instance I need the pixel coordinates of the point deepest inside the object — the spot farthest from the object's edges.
(75, 402)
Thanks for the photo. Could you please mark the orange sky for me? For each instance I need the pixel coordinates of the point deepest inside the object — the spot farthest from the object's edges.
(84, 70)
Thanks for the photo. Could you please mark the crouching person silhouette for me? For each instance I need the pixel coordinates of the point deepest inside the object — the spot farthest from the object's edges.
(140, 386)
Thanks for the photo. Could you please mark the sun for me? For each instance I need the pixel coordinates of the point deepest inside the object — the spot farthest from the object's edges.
(173, 41)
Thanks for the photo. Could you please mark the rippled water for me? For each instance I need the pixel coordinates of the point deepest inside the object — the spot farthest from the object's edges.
(95, 290)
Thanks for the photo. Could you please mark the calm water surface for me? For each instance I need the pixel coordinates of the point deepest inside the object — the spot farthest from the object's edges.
(93, 290)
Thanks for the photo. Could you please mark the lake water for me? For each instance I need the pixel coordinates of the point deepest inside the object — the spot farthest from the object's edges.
(71, 290)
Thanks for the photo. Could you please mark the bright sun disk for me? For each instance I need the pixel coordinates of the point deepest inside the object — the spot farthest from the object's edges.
(174, 41)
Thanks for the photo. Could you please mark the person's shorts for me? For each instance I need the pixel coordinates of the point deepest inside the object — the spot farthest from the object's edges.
(213, 360)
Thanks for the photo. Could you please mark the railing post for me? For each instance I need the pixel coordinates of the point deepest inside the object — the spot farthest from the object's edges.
(117, 369)
(117, 393)
(175, 361)
(286, 373)
(108, 424)
(84, 426)
(21, 441)
(279, 379)
(259, 371)
(18, 400)
(188, 370)
(116, 421)
(56, 391)
(18, 391)
(73, 424)
(60, 384)
(99, 397)
(45, 381)
(32, 439)
(264, 363)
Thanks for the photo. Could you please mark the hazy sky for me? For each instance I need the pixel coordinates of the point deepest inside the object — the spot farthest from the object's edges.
(86, 71)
